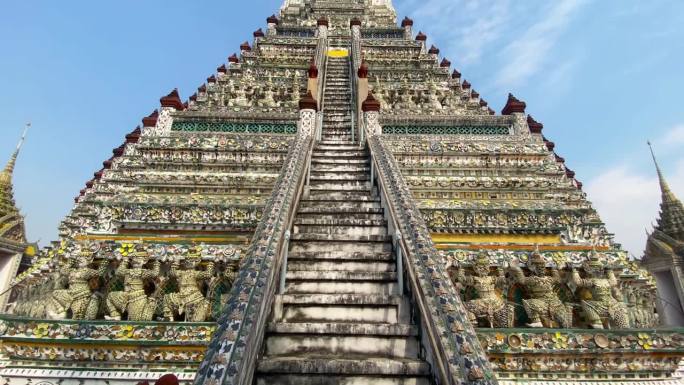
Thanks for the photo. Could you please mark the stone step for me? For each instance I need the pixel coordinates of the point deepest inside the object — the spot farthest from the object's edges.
(385, 346)
(335, 216)
(337, 206)
(340, 184)
(340, 161)
(340, 287)
(337, 131)
(371, 366)
(365, 229)
(331, 308)
(334, 198)
(334, 328)
(323, 194)
(343, 153)
(332, 118)
(317, 168)
(341, 255)
(331, 220)
(327, 379)
(359, 240)
(385, 276)
(344, 247)
(347, 138)
(344, 172)
(315, 191)
(340, 177)
(335, 147)
(335, 143)
(328, 265)
(339, 299)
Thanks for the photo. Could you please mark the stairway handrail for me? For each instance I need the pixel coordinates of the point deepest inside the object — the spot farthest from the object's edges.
(355, 64)
(321, 61)
(352, 96)
(231, 356)
(442, 323)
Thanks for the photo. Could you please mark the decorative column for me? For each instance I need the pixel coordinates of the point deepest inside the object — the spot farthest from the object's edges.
(258, 35)
(421, 38)
(312, 84)
(355, 25)
(322, 28)
(271, 23)
(362, 84)
(307, 115)
(516, 108)
(159, 124)
(407, 25)
(434, 52)
(371, 115)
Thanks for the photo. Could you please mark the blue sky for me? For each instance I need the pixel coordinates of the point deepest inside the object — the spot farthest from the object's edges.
(603, 77)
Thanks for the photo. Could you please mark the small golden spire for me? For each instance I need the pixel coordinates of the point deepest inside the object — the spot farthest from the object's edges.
(664, 187)
(671, 219)
(6, 174)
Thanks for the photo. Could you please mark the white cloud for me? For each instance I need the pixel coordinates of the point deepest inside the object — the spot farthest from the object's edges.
(528, 52)
(673, 138)
(628, 200)
(464, 27)
(516, 34)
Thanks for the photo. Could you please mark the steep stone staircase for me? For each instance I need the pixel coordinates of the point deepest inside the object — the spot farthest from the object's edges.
(341, 319)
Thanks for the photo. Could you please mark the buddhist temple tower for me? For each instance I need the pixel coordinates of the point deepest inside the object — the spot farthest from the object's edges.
(664, 254)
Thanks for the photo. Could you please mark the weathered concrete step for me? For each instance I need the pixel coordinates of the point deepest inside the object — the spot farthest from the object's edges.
(343, 153)
(341, 255)
(327, 379)
(335, 147)
(341, 230)
(342, 185)
(331, 168)
(329, 217)
(335, 220)
(385, 276)
(321, 243)
(354, 168)
(339, 195)
(336, 265)
(337, 125)
(343, 299)
(327, 188)
(339, 287)
(336, 138)
(386, 346)
(336, 161)
(340, 210)
(336, 197)
(362, 365)
(295, 313)
(328, 206)
(335, 142)
(339, 176)
(343, 328)
(337, 131)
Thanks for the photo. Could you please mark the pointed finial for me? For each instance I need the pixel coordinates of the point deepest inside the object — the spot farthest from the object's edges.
(664, 187)
(671, 220)
(9, 168)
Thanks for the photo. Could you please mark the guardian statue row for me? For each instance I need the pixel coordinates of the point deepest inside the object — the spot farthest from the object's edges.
(135, 288)
(551, 297)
